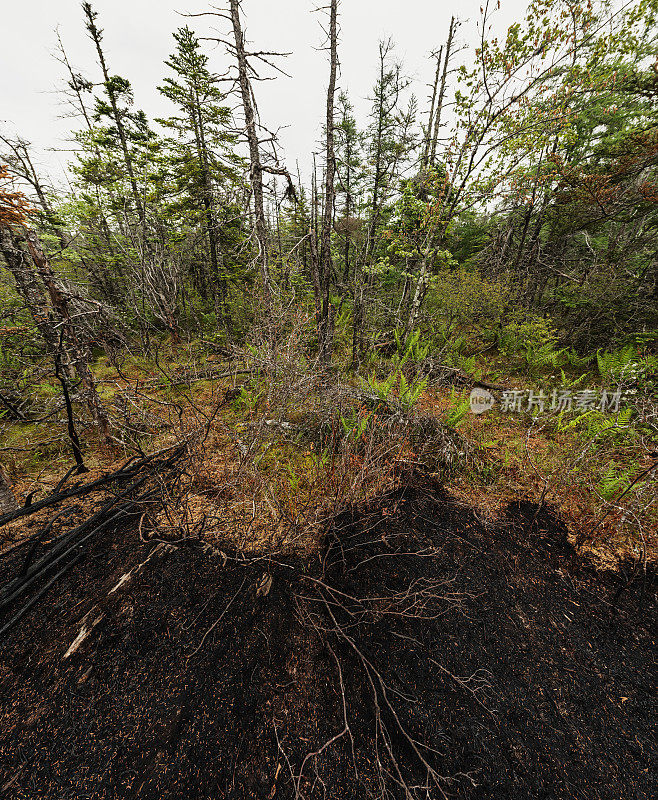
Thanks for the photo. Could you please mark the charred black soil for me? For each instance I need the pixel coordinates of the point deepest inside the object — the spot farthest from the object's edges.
(421, 652)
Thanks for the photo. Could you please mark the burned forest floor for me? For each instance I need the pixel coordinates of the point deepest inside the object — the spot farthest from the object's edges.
(417, 651)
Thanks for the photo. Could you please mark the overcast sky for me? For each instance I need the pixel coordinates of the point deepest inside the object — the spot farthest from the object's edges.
(137, 38)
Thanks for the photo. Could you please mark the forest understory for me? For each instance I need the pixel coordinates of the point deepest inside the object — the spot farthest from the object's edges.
(269, 606)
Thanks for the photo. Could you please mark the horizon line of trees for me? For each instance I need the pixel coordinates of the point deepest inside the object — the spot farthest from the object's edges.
(533, 167)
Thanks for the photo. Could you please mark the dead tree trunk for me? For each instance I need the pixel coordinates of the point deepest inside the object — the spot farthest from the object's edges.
(7, 500)
(442, 90)
(77, 86)
(381, 111)
(314, 261)
(75, 351)
(428, 132)
(20, 161)
(423, 280)
(326, 263)
(422, 284)
(73, 434)
(256, 168)
(30, 288)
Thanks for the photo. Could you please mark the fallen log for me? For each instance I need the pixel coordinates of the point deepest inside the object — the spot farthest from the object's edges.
(67, 548)
(439, 371)
(63, 547)
(123, 473)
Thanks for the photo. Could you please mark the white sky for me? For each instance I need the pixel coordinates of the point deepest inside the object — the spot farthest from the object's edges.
(137, 39)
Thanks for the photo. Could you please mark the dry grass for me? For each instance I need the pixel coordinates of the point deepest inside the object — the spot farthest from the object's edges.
(271, 461)
(522, 458)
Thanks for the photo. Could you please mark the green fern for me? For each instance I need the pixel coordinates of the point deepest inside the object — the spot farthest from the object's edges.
(616, 364)
(572, 423)
(612, 481)
(247, 400)
(383, 389)
(574, 360)
(603, 426)
(355, 425)
(410, 392)
(343, 317)
(572, 383)
(456, 415)
(467, 364)
(412, 350)
(542, 357)
(293, 478)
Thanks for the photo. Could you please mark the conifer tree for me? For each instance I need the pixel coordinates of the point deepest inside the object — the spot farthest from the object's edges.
(201, 152)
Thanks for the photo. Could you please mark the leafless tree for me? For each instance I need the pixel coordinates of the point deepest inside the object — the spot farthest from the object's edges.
(256, 168)
(442, 91)
(258, 165)
(428, 131)
(326, 263)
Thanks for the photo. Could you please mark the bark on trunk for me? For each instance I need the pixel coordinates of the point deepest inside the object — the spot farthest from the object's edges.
(442, 91)
(7, 500)
(419, 295)
(326, 263)
(423, 280)
(31, 279)
(30, 288)
(428, 133)
(256, 168)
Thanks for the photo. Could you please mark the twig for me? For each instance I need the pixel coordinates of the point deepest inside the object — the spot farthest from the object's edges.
(217, 621)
